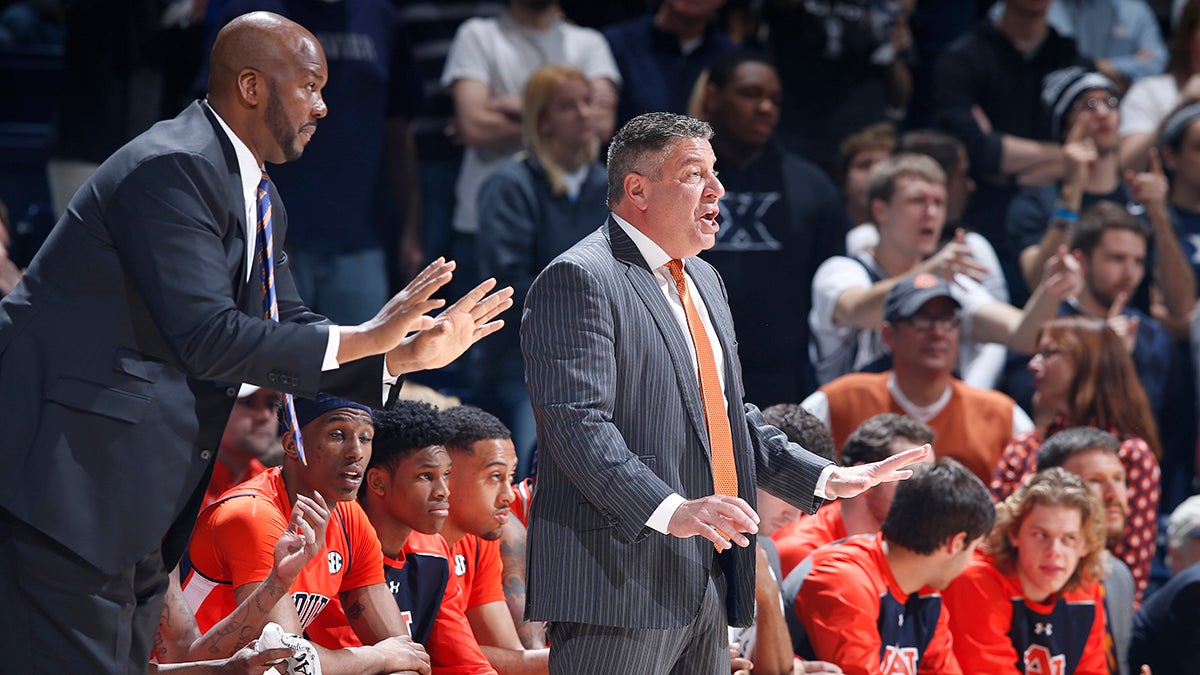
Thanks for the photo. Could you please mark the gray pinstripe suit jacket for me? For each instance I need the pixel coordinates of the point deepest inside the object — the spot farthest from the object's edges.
(621, 427)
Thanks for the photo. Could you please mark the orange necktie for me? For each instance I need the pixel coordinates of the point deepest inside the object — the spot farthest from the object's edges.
(720, 438)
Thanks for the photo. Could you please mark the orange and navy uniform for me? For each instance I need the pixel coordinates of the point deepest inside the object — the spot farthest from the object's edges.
(802, 537)
(234, 544)
(478, 569)
(997, 630)
(223, 479)
(432, 608)
(849, 610)
(522, 498)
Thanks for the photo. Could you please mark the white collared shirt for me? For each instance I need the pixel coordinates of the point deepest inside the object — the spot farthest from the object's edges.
(251, 173)
(656, 259)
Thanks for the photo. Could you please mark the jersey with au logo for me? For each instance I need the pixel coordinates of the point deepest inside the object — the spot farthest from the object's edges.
(997, 630)
(234, 544)
(843, 606)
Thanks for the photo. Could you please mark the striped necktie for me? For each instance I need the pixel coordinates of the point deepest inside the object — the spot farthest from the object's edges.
(266, 268)
(720, 437)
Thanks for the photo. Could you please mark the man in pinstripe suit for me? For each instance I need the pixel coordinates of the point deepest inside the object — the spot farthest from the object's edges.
(625, 482)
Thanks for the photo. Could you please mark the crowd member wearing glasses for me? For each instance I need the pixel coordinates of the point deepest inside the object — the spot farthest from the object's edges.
(921, 329)
(1084, 374)
(1085, 114)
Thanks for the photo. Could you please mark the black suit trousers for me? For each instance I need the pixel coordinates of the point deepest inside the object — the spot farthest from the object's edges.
(110, 619)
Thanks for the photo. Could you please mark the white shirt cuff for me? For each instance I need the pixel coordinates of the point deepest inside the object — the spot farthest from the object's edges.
(660, 520)
(331, 349)
(822, 480)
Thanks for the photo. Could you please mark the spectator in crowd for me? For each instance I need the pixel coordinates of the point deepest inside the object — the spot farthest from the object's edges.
(1183, 535)
(431, 25)
(481, 449)
(951, 155)
(845, 65)
(987, 92)
(908, 195)
(1111, 247)
(986, 360)
(1179, 145)
(252, 430)
(1033, 603)
(1121, 36)
(1085, 377)
(232, 548)
(877, 438)
(780, 218)
(1094, 456)
(489, 63)
(1151, 99)
(662, 54)
(405, 495)
(871, 603)
(340, 235)
(1084, 110)
(538, 204)
(858, 154)
(180, 648)
(921, 329)
(1166, 630)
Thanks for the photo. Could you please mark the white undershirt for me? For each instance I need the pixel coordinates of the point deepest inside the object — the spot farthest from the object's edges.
(251, 174)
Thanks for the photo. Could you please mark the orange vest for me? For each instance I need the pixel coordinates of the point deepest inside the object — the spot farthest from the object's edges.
(973, 428)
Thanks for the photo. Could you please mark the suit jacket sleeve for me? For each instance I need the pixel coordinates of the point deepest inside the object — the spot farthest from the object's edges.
(568, 336)
(167, 221)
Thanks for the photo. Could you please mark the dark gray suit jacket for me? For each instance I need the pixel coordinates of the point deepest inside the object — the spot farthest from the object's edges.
(122, 347)
(620, 427)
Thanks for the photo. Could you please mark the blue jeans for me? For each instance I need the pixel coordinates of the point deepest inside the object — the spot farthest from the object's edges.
(349, 287)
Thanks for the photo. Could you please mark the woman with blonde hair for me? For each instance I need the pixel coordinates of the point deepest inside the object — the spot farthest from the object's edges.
(1084, 376)
(1033, 603)
(532, 208)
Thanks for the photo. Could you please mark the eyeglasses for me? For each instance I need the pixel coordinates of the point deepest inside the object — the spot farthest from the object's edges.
(1047, 353)
(1109, 103)
(926, 322)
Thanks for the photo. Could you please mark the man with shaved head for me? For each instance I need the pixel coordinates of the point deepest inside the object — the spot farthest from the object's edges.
(122, 350)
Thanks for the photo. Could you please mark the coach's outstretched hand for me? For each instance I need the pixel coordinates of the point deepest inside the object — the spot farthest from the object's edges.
(848, 481)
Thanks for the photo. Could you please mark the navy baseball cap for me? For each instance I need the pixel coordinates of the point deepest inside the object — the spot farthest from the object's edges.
(308, 410)
(910, 295)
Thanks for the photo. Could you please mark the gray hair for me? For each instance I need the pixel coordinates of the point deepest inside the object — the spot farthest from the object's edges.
(639, 146)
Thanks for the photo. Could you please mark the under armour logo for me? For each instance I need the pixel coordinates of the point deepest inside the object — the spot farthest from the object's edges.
(1040, 628)
(335, 562)
(394, 587)
(460, 565)
(900, 620)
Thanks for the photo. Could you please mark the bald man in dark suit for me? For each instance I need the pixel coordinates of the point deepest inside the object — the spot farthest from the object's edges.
(122, 349)
(625, 481)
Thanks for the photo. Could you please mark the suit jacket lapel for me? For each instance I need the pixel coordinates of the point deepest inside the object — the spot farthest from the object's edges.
(235, 242)
(641, 278)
